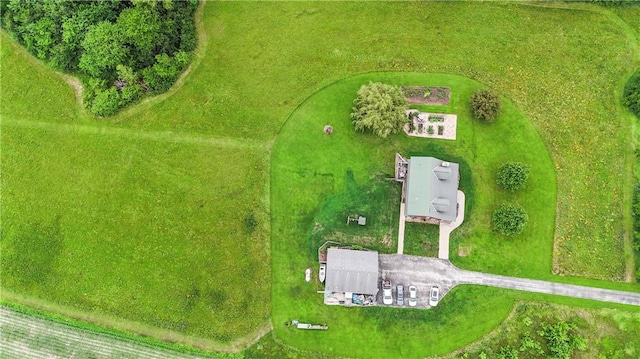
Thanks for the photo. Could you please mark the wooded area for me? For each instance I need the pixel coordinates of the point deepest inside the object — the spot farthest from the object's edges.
(121, 50)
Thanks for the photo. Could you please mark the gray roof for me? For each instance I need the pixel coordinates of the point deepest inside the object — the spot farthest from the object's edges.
(432, 188)
(351, 271)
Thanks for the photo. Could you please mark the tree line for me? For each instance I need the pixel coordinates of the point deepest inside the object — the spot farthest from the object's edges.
(121, 50)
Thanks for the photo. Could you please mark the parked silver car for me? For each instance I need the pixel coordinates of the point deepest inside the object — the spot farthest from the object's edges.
(413, 296)
(434, 296)
(400, 293)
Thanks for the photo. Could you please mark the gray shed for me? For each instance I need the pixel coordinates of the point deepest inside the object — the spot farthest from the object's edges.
(352, 271)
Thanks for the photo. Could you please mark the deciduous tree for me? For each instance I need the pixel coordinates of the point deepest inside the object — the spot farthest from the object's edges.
(485, 105)
(379, 108)
(631, 94)
(103, 50)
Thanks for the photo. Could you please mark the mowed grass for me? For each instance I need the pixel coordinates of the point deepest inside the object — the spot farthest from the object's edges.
(145, 226)
(549, 61)
(137, 229)
(31, 90)
(321, 169)
(258, 61)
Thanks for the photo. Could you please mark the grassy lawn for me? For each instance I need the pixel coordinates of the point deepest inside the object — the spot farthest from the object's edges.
(89, 188)
(550, 65)
(335, 175)
(133, 228)
(127, 223)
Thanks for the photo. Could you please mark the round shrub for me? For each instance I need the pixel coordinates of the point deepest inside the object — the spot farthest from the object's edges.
(512, 175)
(485, 105)
(107, 102)
(509, 219)
(379, 108)
(631, 94)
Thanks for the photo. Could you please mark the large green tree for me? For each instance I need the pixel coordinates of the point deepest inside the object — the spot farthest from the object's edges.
(123, 49)
(103, 51)
(379, 108)
(485, 105)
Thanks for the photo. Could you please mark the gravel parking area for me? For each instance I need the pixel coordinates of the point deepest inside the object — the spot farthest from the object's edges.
(419, 271)
(424, 272)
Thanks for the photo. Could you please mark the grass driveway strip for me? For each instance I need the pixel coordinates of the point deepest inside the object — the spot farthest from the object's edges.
(106, 130)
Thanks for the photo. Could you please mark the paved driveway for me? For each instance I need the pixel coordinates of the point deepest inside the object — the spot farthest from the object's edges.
(424, 272)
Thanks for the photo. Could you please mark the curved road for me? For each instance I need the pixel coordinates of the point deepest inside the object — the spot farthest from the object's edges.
(424, 272)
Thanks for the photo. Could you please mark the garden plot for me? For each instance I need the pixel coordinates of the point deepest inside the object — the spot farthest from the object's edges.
(431, 125)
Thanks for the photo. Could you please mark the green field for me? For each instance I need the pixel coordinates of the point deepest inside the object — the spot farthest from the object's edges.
(615, 336)
(146, 226)
(163, 214)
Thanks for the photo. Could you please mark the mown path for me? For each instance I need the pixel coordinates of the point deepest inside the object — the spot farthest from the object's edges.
(23, 336)
(164, 136)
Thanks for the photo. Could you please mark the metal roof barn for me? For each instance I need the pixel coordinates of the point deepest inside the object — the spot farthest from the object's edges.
(352, 271)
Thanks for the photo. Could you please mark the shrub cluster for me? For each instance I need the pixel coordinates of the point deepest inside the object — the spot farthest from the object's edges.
(631, 94)
(512, 175)
(485, 105)
(379, 108)
(556, 340)
(613, 3)
(509, 219)
(121, 50)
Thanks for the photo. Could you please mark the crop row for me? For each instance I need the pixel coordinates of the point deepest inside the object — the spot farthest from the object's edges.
(24, 336)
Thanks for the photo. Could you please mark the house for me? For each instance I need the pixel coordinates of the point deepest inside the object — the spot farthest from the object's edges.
(351, 277)
(429, 190)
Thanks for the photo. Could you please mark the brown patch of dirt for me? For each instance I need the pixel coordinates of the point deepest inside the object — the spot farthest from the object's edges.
(464, 250)
(425, 95)
(364, 241)
(387, 240)
(317, 227)
(75, 83)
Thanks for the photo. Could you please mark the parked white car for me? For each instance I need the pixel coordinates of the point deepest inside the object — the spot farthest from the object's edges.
(434, 296)
(413, 296)
(387, 297)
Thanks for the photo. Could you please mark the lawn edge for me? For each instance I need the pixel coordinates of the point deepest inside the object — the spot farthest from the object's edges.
(127, 329)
